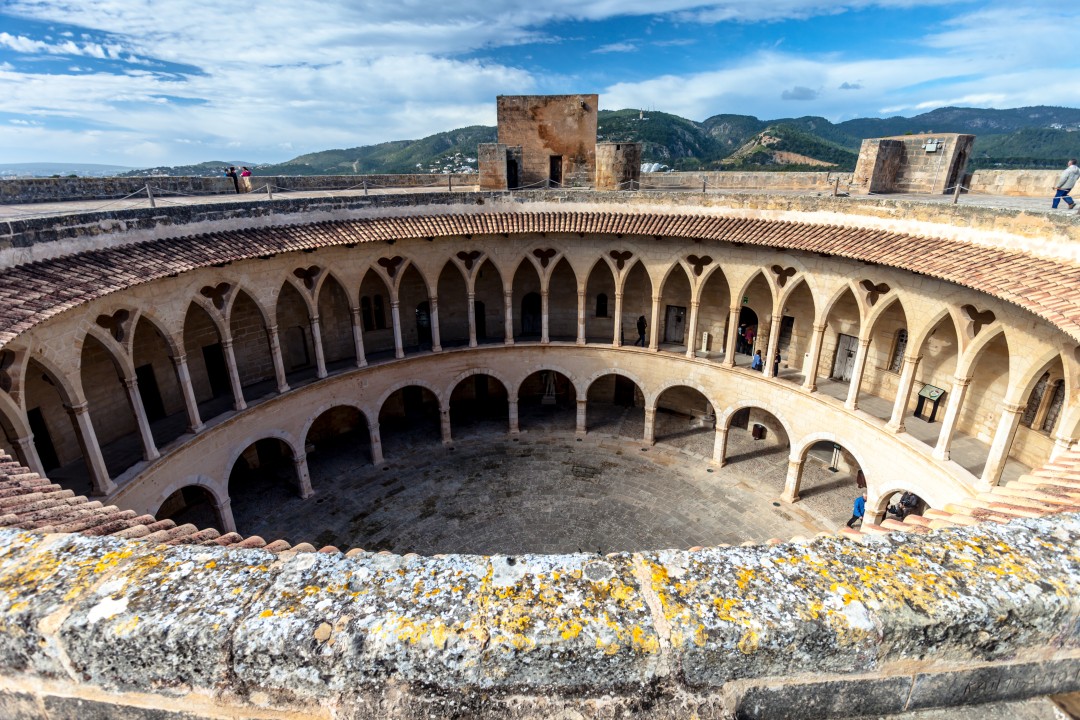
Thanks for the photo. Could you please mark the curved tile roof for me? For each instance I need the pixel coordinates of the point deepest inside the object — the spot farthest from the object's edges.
(32, 293)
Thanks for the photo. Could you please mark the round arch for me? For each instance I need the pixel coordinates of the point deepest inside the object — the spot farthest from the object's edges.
(318, 411)
(162, 329)
(275, 434)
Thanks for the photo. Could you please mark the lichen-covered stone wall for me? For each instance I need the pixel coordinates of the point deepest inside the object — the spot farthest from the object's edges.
(796, 630)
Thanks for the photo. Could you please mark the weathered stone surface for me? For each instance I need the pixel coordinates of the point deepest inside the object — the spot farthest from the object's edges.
(19, 706)
(63, 708)
(995, 683)
(986, 593)
(333, 623)
(41, 577)
(815, 700)
(176, 606)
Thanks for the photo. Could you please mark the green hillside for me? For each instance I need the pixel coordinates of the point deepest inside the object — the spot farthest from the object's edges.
(768, 149)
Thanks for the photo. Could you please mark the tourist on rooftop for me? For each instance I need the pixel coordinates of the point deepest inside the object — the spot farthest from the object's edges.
(1065, 183)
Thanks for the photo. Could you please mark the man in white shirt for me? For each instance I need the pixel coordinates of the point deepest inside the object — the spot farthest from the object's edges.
(1065, 184)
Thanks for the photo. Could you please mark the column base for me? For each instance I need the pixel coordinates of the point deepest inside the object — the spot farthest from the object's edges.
(580, 341)
(196, 430)
(438, 348)
(940, 454)
(361, 364)
(282, 389)
(238, 406)
(108, 489)
(895, 429)
(789, 499)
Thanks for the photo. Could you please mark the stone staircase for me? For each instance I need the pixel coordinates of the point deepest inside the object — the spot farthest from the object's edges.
(31, 502)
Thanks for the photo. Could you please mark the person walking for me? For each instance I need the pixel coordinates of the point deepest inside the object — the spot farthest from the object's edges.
(1065, 184)
(641, 325)
(858, 511)
(235, 179)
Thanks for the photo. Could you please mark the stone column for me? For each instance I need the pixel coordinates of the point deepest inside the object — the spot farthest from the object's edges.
(225, 516)
(654, 326)
(275, 355)
(729, 339)
(444, 426)
(512, 404)
(952, 414)
(303, 477)
(1044, 405)
(582, 408)
(903, 393)
(472, 318)
(791, 484)
(91, 451)
(316, 341)
(30, 454)
(195, 423)
(395, 316)
(544, 305)
(650, 426)
(719, 449)
(816, 342)
(234, 374)
(508, 312)
(773, 347)
(150, 451)
(617, 340)
(691, 329)
(581, 317)
(376, 445)
(358, 337)
(1002, 443)
(436, 334)
(1062, 445)
(852, 401)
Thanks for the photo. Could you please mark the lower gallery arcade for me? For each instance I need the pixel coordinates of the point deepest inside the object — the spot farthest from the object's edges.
(200, 395)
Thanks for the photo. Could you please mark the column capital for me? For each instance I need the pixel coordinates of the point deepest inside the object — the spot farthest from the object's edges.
(1014, 408)
(820, 328)
(864, 342)
(226, 343)
(131, 383)
(961, 381)
(314, 318)
(395, 303)
(354, 311)
(734, 309)
(912, 359)
(657, 298)
(299, 459)
(271, 329)
(78, 408)
(179, 359)
(695, 303)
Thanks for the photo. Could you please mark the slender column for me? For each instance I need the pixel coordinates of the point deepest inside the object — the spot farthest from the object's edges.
(358, 337)
(617, 340)
(691, 341)
(791, 484)
(444, 426)
(150, 451)
(508, 312)
(436, 334)
(1062, 445)
(1002, 443)
(376, 444)
(903, 393)
(225, 516)
(952, 414)
(582, 407)
(303, 477)
(544, 305)
(852, 401)
(729, 340)
(395, 315)
(234, 374)
(88, 443)
(816, 341)
(512, 403)
(316, 340)
(773, 347)
(30, 454)
(581, 317)
(650, 426)
(472, 319)
(1044, 406)
(275, 355)
(195, 423)
(719, 448)
(654, 327)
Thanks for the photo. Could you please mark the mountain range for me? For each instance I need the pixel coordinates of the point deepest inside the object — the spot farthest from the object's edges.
(1028, 137)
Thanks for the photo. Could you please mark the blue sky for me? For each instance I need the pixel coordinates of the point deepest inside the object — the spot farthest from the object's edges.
(141, 83)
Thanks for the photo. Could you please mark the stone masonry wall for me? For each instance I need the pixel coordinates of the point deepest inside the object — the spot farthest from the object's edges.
(38, 190)
(745, 180)
(1026, 183)
(551, 125)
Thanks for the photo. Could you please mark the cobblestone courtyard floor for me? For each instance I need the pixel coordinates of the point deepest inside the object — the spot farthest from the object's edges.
(545, 491)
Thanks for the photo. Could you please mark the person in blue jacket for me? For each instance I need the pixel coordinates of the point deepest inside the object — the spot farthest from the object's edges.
(858, 511)
(756, 363)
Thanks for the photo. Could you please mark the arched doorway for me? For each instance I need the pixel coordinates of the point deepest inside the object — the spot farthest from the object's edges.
(191, 504)
(685, 419)
(479, 406)
(423, 325)
(746, 334)
(409, 420)
(547, 402)
(262, 479)
(830, 478)
(339, 441)
(758, 441)
(616, 406)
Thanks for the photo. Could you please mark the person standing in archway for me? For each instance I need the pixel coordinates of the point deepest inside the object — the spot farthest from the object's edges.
(641, 325)
(858, 511)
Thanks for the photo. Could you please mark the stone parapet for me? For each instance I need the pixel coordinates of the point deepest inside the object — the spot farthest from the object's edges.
(1023, 183)
(40, 190)
(904, 622)
(764, 181)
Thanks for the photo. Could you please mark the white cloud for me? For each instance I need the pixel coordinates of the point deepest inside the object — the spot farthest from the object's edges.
(619, 47)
